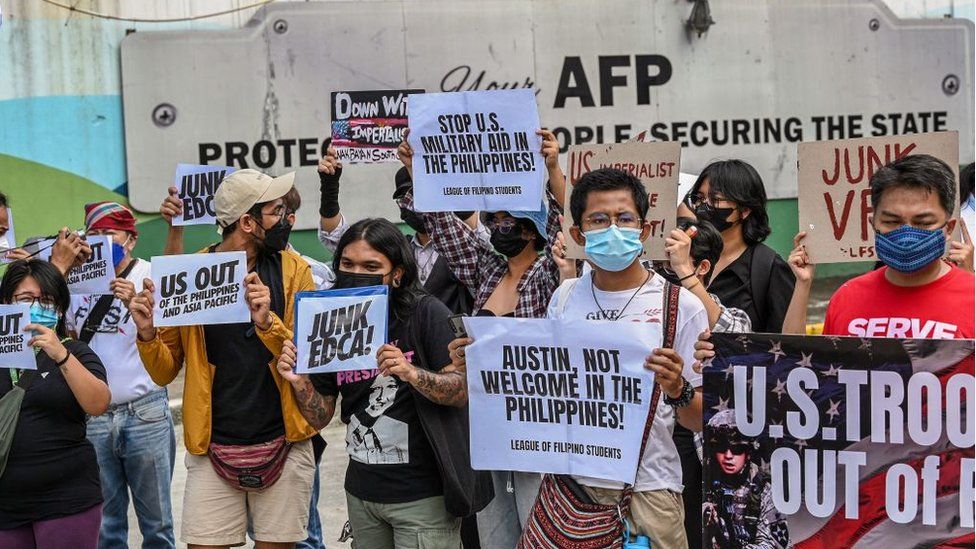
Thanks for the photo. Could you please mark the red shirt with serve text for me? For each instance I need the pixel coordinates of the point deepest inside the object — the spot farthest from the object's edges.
(871, 306)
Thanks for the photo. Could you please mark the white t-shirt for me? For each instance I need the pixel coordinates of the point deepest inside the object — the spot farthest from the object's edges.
(660, 466)
(115, 341)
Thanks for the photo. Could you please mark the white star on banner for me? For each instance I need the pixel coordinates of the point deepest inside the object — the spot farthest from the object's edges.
(800, 444)
(832, 371)
(777, 351)
(833, 410)
(780, 388)
(728, 371)
(806, 361)
(723, 404)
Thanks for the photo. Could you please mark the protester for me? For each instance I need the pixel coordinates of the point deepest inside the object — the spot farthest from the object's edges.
(435, 275)
(49, 487)
(408, 478)
(961, 251)
(234, 399)
(134, 439)
(749, 275)
(507, 277)
(739, 509)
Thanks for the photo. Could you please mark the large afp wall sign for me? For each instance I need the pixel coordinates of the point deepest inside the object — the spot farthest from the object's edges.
(766, 76)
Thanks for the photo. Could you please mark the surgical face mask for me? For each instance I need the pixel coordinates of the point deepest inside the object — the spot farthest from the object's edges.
(613, 248)
(908, 249)
(45, 315)
(508, 244)
(119, 251)
(413, 220)
(718, 217)
(276, 238)
(345, 279)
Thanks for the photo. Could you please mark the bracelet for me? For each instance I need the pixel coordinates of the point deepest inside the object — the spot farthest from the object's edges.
(682, 279)
(61, 362)
(683, 400)
(697, 282)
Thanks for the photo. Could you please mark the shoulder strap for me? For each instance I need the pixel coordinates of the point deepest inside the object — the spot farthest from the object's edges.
(670, 323)
(563, 296)
(100, 309)
(760, 269)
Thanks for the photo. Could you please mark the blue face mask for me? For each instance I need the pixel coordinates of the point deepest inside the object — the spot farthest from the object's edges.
(613, 248)
(908, 249)
(45, 315)
(118, 252)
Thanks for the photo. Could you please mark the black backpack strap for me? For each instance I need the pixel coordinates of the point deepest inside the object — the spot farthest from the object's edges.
(100, 309)
(760, 269)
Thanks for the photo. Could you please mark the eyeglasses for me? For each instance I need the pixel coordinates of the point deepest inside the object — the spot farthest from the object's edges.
(28, 299)
(504, 226)
(603, 221)
(694, 200)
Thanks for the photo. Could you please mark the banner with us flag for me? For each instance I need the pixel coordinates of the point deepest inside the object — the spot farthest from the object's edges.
(839, 442)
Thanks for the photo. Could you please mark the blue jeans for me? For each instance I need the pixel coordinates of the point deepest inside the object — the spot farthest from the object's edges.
(136, 447)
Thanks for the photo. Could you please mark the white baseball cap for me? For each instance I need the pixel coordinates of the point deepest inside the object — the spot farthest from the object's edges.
(241, 190)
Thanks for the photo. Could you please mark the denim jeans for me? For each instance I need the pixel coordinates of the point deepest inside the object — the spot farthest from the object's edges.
(136, 448)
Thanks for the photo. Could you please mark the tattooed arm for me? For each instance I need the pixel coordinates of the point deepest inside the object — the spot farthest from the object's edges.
(316, 408)
(447, 388)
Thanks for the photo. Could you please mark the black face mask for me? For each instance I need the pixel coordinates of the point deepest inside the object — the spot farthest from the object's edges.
(509, 245)
(413, 220)
(276, 238)
(345, 279)
(463, 216)
(718, 217)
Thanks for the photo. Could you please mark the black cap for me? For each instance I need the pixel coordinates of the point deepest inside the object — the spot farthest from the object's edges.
(403, 183)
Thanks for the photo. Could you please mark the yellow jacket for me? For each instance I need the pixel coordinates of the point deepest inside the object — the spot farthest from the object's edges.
(164, 356)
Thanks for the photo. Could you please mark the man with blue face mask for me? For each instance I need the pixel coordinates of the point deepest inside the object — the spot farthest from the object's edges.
(916, 294)
(134, 439)
(609, 209)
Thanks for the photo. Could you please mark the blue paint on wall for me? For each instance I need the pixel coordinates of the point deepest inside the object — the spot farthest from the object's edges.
(82, 135)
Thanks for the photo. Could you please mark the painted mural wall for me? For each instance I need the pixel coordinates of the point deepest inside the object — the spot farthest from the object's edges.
(61, 124)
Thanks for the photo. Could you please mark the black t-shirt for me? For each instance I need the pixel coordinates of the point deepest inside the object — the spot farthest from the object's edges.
(52, 470)
(391, 459)
(246, 402)
(733, 287)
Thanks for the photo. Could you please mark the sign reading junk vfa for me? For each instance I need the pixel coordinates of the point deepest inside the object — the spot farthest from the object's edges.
(803, 71)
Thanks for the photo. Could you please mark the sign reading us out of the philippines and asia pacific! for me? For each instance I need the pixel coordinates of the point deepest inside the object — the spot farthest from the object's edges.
(655, 164)
(197, 289)
(835, 192)
(596, 81)
(367, 126)
(838, 442)
(558, 396)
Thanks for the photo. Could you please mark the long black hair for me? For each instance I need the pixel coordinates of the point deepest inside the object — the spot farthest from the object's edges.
(384, 237)
(48, 277)
(739, 182)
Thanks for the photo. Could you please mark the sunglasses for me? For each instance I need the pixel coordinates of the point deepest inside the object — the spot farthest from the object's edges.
(736, 449)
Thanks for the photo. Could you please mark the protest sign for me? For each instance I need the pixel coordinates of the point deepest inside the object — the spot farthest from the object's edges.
(197, 185)
(14, 352)
(8, 240)
(656, 164)
(559, 396)
(476, 151)
(197, 289)
(340, 330)
(834, 191)
(93, 276)
(838, 442)
(367, 126)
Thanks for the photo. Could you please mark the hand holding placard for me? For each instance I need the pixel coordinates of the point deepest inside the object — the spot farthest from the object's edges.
(14, 351)
(258, 298)
(172, 206)
(141, 308)
(206, 288)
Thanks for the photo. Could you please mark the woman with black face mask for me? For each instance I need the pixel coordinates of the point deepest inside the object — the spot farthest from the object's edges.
(409, 470)
(749, 275)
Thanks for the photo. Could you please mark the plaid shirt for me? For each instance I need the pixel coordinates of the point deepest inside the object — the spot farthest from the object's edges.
(731, 320)
(476, 264)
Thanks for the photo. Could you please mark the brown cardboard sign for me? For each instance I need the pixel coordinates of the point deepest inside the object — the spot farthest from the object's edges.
(834, 191)
(655, 164)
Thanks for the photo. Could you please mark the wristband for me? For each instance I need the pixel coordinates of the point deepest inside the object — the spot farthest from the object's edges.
(67, 355)
(684, 399)
(329, 188)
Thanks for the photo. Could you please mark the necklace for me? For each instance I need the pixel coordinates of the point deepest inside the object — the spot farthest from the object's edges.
(603, 313)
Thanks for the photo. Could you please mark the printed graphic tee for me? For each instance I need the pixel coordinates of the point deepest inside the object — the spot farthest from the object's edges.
(871, 306)
(660, 467)
(115, 340)
(391, 459)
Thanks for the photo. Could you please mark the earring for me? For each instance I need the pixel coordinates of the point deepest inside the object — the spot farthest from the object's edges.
(396, 282)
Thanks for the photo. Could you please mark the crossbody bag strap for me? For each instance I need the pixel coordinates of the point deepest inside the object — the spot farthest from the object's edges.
(100, 309)
(670, 323)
